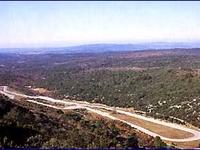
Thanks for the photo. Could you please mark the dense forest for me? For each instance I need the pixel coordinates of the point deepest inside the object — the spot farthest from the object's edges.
(162, 83)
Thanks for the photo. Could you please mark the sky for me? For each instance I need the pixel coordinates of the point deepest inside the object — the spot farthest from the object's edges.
(64, 23)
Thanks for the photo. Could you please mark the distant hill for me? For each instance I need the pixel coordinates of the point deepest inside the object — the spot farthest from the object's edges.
(95, 48)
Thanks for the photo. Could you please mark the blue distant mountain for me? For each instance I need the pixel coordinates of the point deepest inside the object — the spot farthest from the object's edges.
(130, 47)
(94, 48)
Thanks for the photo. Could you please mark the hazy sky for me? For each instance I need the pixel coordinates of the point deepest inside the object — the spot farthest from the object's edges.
(64, 23)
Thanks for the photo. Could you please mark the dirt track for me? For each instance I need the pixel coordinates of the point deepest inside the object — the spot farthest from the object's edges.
(153, 127)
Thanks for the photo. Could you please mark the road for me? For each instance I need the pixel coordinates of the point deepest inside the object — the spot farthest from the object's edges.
(96, 108)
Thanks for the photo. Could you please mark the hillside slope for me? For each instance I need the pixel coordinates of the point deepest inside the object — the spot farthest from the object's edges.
(24, 124)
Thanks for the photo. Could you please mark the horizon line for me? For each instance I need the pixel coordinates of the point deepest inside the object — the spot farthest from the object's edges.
(96, 43)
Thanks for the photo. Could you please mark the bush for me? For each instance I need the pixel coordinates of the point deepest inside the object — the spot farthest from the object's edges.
(158, 143)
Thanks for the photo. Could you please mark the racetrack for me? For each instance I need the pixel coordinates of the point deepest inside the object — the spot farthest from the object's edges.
(142, 123)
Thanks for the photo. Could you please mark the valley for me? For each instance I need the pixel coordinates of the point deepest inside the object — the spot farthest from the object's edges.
(100, 75)
(155, 92)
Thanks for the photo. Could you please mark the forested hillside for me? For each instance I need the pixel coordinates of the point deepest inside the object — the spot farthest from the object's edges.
(163, 83)
(24, 124)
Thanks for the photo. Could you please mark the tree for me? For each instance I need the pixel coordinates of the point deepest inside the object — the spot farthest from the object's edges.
(158, 143)
(114, 131)
(132, 141)
(34, 141)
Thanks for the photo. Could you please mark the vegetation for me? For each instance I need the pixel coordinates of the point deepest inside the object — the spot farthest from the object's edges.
(165, 83)
(30, 125)
(158, 143)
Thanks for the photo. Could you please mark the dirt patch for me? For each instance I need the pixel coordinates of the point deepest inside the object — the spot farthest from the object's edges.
(191, 144)
(157, 128)
(41, 90)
